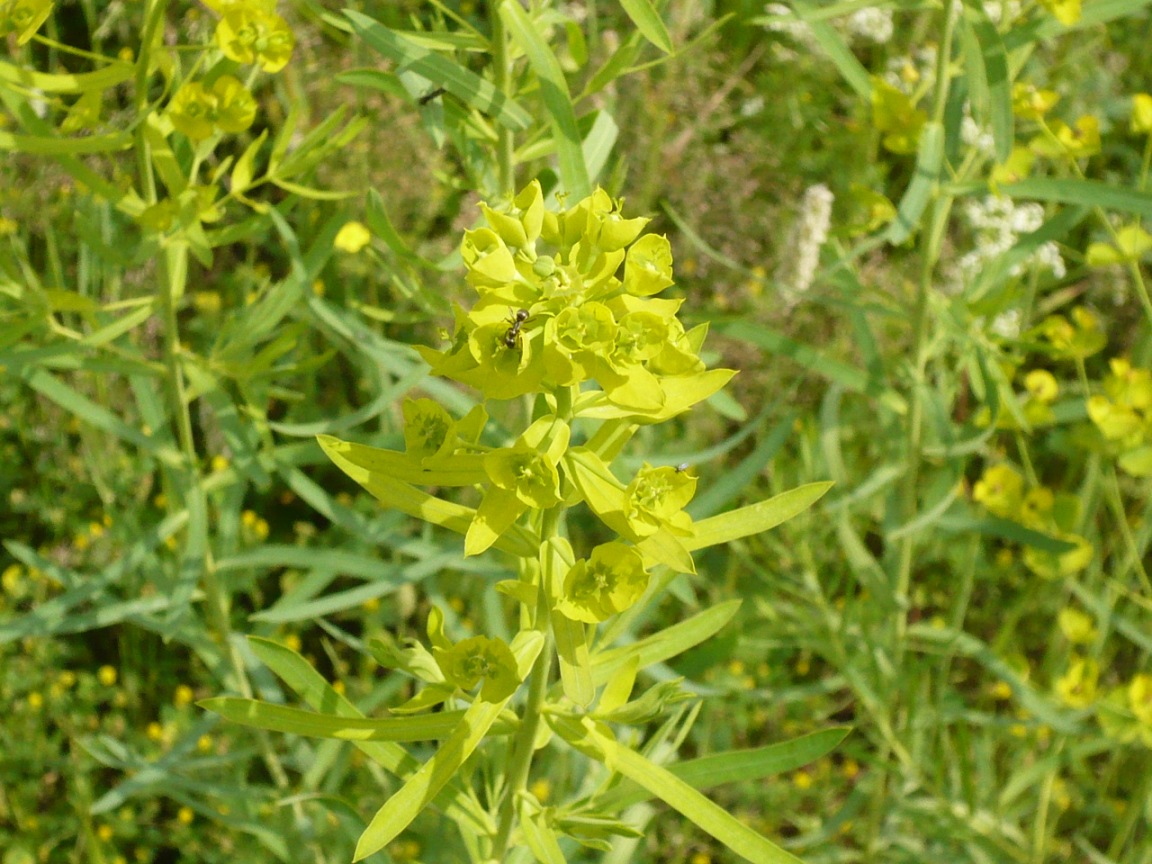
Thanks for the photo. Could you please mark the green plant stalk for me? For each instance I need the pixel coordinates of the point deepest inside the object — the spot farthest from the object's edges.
(525, 743)
(1117, 505)
(1133, 810)
(936, 223)
(505, 168)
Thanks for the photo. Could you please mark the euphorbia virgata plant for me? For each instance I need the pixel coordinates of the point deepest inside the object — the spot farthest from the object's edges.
(567, 314)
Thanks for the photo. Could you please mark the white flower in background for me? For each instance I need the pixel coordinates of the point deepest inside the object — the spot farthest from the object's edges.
(871, 23)
(1002, 11)
(752, 107)
(788, 24)
(804, 243)
(974, 136)
(1007, 324)
(997, 224)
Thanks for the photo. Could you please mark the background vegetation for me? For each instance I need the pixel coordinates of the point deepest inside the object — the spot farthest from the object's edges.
(181, 313)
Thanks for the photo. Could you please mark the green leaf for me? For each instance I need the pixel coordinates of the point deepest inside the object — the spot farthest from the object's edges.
(1090, 193)
(755, 517)
(838, 51)
(23, 78)
(571, 636)
(991, 81)
(734, 766)
(929, 160)
(52, 146)
(557, 101)
(466, 86)
(294, 721)
(649, 23)
(408, 499)
(666, 643)
(673, 791)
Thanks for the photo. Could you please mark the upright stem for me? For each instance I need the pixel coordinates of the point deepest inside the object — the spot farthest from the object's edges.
(935, 223)
(502, 67)
(525, 744)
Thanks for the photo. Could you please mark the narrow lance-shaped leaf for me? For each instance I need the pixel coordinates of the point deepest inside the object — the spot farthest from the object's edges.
(649, 23)
(586, 736)
(294, 721)
(755, 518)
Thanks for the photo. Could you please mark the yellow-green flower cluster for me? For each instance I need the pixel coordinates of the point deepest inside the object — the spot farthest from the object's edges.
(250, 31)
(567, 298)
(1001, 490)
(200, 112)
(1125, 713)
(1123, 414)
(23, 17)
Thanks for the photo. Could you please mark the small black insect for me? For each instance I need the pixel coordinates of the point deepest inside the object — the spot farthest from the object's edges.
(430, 95)
(512, 337)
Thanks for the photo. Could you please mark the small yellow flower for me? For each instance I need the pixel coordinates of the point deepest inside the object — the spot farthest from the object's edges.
(220, 463)
(542, 789)
(292, 642)
(736, 667)
(248, 518)
(35, 701)
(1140, 698)
(126, 54)
(207, 302)
(191, 111)
(66, 679)
(1076, 626)
(372, 604)
(204, 744)
(12, 577)
(105, 833)
(1001, 690)
(1041, 385)
(1077, 686)
(700, 858)
(154, 731)
(185, 815)
(1142, 114)
(802, 780)
(7, 226)
(1001, 490)
(183, 696)
(252, 34)
(318, 288)
(339, 687)
(850, 769)
(352, 237)
(803, 666)
(106, 675)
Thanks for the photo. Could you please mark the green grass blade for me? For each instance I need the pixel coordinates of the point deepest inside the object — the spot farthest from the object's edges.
(735, 766)
(991, 90)
(838, 52)
(466, 86)
(557, 101)
(929, 161)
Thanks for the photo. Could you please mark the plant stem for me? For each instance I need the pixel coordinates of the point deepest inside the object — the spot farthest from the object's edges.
(935, 224)
(505, 178)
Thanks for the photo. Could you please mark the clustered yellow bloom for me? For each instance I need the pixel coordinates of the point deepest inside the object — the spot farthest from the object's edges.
(199, 111)
(1123, 414)
(23, 17)
(250, 31)
(1001, 491)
